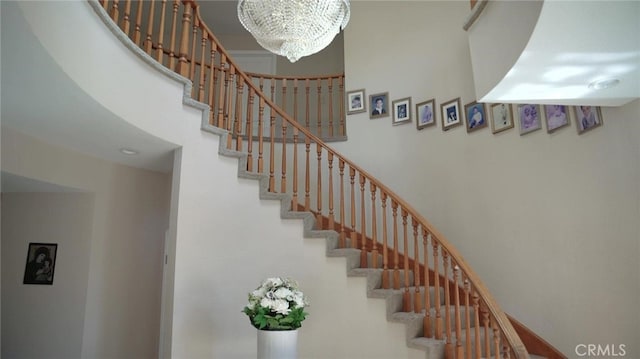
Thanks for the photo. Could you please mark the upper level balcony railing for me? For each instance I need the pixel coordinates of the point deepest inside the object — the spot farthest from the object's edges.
(175, 36)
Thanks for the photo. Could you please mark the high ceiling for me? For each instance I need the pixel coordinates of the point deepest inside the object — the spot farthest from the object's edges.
(40, 100)
(37, 96)
(572, 45)
(573, 48)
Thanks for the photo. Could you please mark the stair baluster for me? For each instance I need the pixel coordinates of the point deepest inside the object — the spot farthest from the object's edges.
(236, 130)
(476, 322)
(485, 320)
(126, 19)
(213, 75)
(204, 41)
(427, 328)
(447, 306)
(417, 300)
(385, 251)
(330, 88)
(406, 297)
(228, 109)
(496, 340)
(374, 229)
(363, 224)
(458, 319)
(172, 36)
(396, 256)
(436, 281)
(331, 223)
(261, 136)
(353, 235)
(319, 224)
(467, 317)
(160, 45)
(294, 198)
(342, 241)
(115, 12)
(249, 128)
(307, 175)
(283, 164)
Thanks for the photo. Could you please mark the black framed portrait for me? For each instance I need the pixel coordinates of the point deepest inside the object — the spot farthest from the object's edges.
(41, 263)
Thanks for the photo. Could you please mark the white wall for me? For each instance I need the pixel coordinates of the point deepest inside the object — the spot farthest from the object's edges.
(550, 222)
(220, 259)
(120, 272)
(45, 321)
(211, 205)
(494, 51)
(217, 257)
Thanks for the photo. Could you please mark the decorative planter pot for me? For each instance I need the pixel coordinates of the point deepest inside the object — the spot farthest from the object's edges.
(281, 344)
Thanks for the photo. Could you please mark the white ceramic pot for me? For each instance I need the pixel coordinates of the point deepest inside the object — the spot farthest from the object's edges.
(277, 344)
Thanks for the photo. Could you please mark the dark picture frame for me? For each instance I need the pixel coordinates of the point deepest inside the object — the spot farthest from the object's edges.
(587, 118)
(374, 110)
(356, 102)
(501, 117)
(450, 114)
(425, 114)
(556, 117)
(529, 118)
(476, 114)
(401, 111)
(41, 263)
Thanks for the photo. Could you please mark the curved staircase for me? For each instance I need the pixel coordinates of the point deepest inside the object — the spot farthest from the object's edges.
(405, 260)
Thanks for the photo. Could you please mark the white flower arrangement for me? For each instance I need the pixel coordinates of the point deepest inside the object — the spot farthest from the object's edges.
(277, 304)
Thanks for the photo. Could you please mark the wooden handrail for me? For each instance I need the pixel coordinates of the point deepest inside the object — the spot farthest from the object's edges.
(499, 316)
(231, 93)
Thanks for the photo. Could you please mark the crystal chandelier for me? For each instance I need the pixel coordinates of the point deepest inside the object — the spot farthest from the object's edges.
(293, 28)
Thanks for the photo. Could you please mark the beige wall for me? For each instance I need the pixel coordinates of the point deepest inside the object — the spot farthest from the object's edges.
(462, 182)
(122, 256)
(45, 321)
(550, 222)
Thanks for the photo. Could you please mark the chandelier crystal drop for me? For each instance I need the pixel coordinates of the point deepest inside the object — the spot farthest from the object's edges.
(293, 28)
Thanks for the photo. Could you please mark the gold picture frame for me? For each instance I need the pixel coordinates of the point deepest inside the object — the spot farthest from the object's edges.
(401, 111)
(378, 105)
(501, 117)
(425, 114)
(450, 114)
(476, 115)
(587, 118)
(356, 102)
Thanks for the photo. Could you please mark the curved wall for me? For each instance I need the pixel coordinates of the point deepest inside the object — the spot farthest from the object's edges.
(206, 287)
(497, 39)
(551, 52)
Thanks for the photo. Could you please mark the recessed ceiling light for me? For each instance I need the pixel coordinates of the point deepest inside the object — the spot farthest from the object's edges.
(129, 151)
(604, 84)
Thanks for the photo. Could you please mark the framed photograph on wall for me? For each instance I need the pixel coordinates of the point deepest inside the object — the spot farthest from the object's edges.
(355, 102)
(450, 112)
(41, 263)
(401, 111)
(501, 117)
(556, 116)
(378, 104)
(529, 118)
(587, 118)
(476, 114)
(425, 113)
